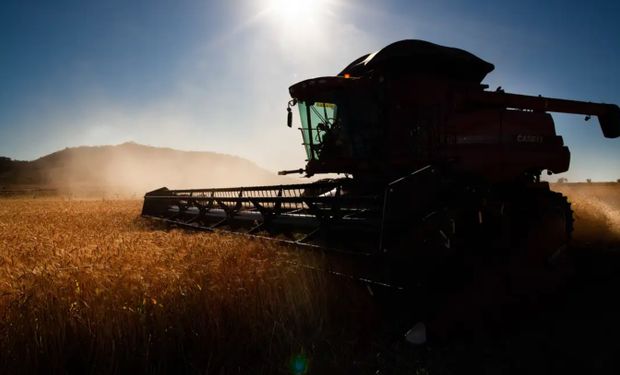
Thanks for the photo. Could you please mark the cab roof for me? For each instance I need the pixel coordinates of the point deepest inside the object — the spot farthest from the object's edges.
(418, 57)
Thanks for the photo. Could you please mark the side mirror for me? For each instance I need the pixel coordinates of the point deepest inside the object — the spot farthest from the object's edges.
(289, 114)
(289, 117)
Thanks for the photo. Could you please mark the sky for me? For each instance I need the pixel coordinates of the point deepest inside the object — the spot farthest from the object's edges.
(214, 75)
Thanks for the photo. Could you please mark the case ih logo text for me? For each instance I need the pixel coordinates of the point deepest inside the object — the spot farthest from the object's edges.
(522, 138)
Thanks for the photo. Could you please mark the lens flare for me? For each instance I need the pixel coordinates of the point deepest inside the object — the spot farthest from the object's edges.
(299, 364)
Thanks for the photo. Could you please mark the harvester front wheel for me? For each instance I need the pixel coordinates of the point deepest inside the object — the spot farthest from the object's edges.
(518, 257)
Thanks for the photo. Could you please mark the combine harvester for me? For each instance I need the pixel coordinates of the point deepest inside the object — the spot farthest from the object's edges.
(442, 175)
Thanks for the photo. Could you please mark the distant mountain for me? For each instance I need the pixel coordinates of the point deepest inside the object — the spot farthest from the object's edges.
(132, 168)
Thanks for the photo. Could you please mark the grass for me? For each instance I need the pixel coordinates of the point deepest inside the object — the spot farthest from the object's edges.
(88, 286)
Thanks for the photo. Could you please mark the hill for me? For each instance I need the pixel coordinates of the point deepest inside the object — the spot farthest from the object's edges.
(131, 168)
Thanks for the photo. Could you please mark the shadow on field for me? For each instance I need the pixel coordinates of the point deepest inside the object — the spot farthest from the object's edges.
(574, 330)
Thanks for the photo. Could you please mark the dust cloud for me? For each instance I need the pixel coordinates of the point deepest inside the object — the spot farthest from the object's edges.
(130, 170)
(596, 209)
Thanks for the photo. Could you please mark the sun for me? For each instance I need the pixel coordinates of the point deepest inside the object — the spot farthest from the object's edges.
(300, 26)
(296, 12)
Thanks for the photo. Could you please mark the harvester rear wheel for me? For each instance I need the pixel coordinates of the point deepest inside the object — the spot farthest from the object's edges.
(540, 261)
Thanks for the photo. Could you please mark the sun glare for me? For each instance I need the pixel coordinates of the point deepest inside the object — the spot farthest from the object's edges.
(295, 8)
(300, 29)
(296, 12)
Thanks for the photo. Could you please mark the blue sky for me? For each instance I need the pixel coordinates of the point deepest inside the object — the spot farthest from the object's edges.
(206, 75)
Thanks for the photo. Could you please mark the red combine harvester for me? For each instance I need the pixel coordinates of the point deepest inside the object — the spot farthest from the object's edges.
(442, 176)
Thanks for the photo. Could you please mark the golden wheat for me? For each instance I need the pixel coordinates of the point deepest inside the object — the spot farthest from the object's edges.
(88, 286)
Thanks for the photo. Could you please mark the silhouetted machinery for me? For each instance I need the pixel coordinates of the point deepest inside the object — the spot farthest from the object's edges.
(442, 175)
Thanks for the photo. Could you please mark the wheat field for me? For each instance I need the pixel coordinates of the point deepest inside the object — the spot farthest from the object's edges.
(90, 287)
